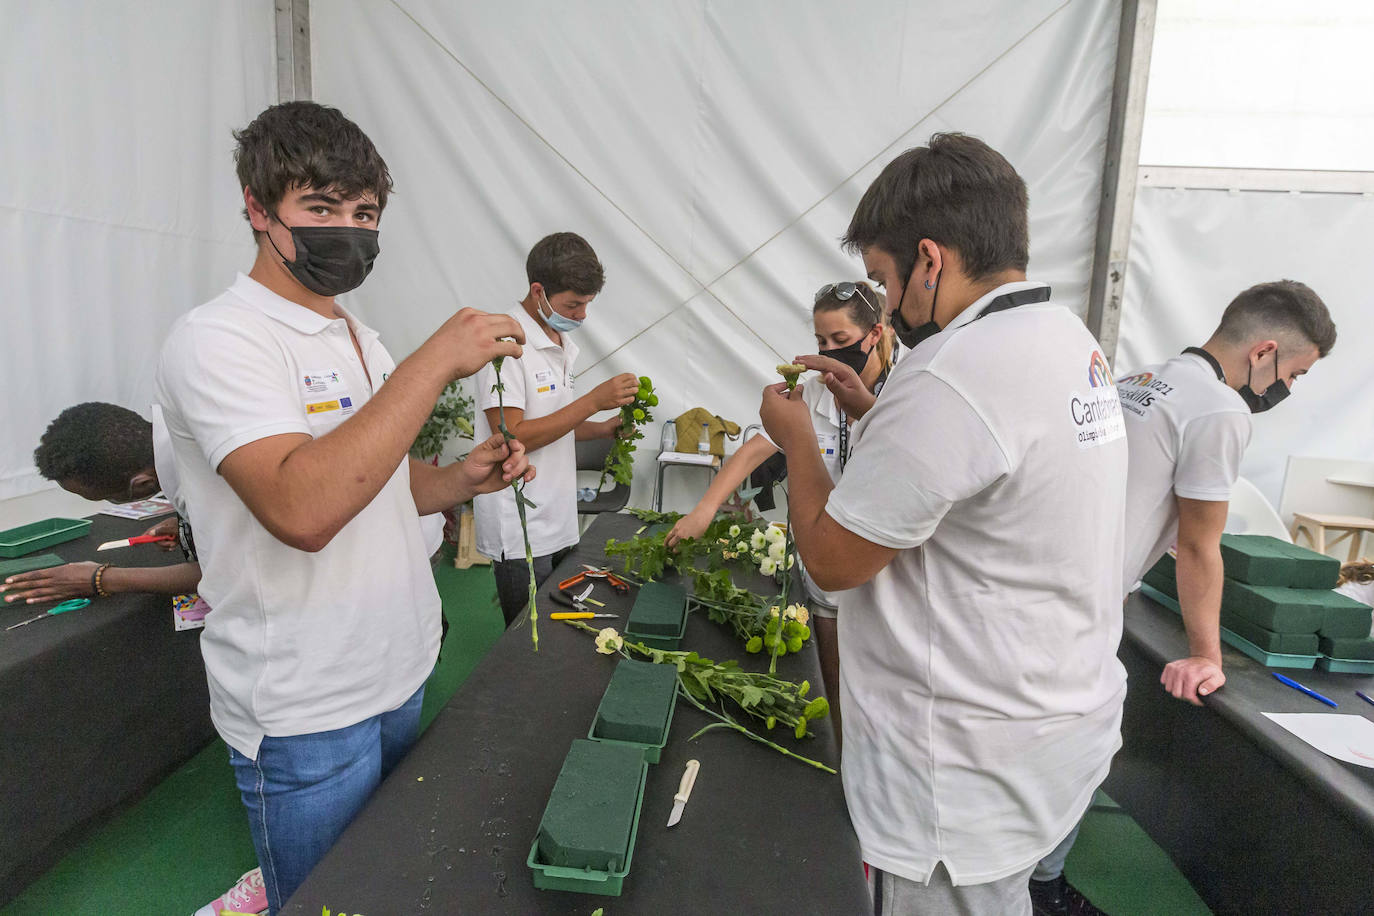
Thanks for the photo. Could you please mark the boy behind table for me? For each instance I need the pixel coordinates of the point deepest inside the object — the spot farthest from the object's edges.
(543, 412)
(289, 426)
(1187, 426)
(978, 526)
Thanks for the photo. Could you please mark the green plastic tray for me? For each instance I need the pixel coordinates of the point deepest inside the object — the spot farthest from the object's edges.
(29, 564)
(1270, 659)
(1346, 665)
(652, 752)
(16, 542)
(588, 880)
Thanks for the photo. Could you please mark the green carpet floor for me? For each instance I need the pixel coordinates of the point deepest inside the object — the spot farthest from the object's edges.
(187, 841)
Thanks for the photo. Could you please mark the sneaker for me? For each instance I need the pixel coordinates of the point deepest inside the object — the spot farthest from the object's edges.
(248, 896)
(1060, 898)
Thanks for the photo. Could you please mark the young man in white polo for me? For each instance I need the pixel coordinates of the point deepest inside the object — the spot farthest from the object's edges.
(544, 412)
(978, 527)
(289, 426)
(1187, 426)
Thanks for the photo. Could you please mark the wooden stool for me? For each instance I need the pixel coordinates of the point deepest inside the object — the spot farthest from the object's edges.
(1314, 525)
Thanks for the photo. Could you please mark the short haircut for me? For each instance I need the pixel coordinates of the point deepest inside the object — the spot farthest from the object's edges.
(564, 261)
(308, 145)
(1283, 308)
(958, 192)
(99, 445)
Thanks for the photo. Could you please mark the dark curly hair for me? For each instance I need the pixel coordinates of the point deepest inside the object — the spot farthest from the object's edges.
(308, 145)
(99, 445)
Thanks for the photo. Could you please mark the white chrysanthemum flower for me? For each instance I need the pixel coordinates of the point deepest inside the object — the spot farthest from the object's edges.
(803, 615)
(741, 547)
(608, 641)
(777, 550)
(773, 611)
(734, 531)
(775, 535)
(758, 540)
(768, 566)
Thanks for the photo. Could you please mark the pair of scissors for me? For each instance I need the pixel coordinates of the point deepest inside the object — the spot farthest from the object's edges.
(72, 605)
(577, 603)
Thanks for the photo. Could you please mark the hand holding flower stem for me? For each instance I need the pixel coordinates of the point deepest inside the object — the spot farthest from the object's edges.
(520, 503)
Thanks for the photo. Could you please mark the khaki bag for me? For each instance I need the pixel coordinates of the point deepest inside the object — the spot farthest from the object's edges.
(689, 431)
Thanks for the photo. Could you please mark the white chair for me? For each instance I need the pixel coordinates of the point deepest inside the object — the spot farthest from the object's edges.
(1250, 513)
(667, 458)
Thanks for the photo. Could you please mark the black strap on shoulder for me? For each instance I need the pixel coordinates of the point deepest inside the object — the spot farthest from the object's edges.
(1210, 360)
(1012, 300)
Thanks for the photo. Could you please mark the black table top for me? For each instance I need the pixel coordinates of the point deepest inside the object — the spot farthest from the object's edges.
(18, 647)
(1252, 690)
(451, 828)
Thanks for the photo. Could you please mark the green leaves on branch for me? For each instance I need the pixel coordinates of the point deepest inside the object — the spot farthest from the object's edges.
(619, 464)
(452, 416)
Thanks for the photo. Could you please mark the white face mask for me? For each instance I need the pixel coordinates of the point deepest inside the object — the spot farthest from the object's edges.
(559, 323)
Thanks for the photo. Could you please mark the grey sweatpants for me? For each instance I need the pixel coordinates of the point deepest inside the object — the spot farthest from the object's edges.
(897, 896)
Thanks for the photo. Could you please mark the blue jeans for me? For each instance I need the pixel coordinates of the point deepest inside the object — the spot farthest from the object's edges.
(303, 790)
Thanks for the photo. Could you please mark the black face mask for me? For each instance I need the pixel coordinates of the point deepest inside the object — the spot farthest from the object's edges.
(908, 335)
(330, 260)
(853, 355)
(1276, 392)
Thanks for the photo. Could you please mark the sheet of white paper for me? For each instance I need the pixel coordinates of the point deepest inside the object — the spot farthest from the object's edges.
(1348, 738)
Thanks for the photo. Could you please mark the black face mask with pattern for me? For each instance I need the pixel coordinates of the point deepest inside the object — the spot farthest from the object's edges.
(330, 260)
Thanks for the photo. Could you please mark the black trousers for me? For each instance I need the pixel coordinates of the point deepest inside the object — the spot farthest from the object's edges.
(513, 580)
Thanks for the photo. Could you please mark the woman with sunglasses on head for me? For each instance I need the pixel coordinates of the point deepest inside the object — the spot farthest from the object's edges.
(848, 321)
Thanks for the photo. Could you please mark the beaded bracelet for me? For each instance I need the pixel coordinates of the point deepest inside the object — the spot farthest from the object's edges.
(95, 580)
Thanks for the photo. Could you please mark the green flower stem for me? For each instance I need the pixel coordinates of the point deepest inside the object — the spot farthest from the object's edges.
(520, 503)
(727, 722)
(782, 599)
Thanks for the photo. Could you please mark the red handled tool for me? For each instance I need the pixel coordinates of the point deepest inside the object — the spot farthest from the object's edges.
(141, 539)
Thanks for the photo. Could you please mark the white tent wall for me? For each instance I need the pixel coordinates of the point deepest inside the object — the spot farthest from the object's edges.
(712, 153)
(1193, 250)
(118, 202)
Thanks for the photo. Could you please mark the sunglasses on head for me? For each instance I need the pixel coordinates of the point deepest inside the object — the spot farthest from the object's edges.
(844, 292)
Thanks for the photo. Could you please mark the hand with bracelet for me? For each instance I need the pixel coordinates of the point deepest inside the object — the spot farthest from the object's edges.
(98, 580)
(57, 583)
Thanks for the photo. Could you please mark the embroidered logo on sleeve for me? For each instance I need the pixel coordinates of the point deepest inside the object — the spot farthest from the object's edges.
(1097, 415)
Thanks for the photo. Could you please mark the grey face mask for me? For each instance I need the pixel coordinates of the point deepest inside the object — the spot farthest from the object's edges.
(330, 260)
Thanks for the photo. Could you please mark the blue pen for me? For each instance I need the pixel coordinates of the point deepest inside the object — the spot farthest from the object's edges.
(1365, 698)
(1296, 686)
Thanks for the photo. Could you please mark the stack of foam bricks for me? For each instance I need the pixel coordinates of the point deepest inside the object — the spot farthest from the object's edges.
(1279, 597)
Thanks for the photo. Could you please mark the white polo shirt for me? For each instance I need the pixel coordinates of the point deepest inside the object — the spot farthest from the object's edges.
(981, 689)
(825, 420)
(1187, 431)
(540, 382)
(299, 642)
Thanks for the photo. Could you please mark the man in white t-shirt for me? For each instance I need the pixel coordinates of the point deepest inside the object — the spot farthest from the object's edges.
(1187, 426)
(979, 527)
(289, 426)
(544, 412)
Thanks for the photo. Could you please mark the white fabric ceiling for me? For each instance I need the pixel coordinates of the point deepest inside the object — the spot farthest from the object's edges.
(1192, 251)
(712, 154)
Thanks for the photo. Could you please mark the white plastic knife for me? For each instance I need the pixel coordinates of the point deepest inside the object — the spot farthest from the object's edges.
(684, 791)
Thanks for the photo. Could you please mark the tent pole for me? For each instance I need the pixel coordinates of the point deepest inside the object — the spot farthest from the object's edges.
(293, 49)
(1119, 169)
